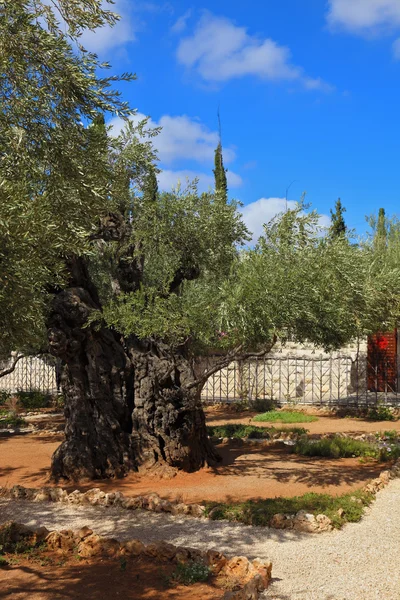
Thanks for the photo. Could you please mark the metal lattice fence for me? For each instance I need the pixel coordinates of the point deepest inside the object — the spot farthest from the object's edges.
(337, 380)
(32, 373)
(323, 380)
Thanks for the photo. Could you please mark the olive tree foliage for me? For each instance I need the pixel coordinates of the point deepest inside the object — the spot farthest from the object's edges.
(295, 284)
(55, 178)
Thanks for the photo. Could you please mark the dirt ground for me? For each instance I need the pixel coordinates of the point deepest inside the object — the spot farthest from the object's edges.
(245, 472)
(326, 424)
(54, 577)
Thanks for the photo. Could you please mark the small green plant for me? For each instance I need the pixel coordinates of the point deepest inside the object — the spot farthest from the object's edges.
(4, 397)
(251, 431)
(260, 512)
(123, 563)
(380, 413)
(337, 447)
(33, 400)
(284, 416)
(391, 435)
(262, 404)
(189, 573)
(3, 562)
(10, 419)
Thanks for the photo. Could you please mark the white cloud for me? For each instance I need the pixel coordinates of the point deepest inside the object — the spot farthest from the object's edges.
(169, 179)
(181, 23)
(257, 213)
(396, 49)
(181, 137)
(105, 38)
(220, 50)
(363, 16)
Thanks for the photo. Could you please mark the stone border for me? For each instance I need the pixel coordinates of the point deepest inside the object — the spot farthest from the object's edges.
(301, 521)
(248, 579)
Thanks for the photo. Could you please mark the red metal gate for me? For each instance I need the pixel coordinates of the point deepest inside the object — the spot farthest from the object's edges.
(382, 362)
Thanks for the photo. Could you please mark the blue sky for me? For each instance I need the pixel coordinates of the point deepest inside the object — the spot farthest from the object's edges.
(308, 90)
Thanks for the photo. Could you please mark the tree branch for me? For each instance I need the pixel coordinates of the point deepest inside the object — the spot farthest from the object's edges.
(233, 355)
(10, 369)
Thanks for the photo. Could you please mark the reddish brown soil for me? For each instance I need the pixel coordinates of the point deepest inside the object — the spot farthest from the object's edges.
(60, 578)
(245, 472)
(325, 424)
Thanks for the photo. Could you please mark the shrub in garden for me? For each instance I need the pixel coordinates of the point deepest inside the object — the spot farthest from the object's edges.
(33, 400)
(191, 572)
(284, 416)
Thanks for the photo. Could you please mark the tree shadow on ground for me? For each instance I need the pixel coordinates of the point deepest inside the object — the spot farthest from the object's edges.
(231, 538)
(98, 579)
(278, 464)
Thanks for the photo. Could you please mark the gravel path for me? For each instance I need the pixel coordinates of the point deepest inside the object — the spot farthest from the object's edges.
(361, 562)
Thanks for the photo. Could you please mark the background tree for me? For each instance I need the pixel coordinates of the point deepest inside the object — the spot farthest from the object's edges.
(338, 226)
(131, 287)
(221, 183)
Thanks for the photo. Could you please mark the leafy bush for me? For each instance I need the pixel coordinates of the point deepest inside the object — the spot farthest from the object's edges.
(241, 431)
(380, 413)
(338, 447)
(33, 400)
(10, 419)
(262, 404)
(4, 397)
(191, 572)
(260, 512)
(284, 416)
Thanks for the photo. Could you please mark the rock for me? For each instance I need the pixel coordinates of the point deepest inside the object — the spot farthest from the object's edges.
(161, 551)
(305, 522)
(179, 509)
(58, 495)
(215, 560)
(195, 510)
(95, 497)
(18, 492)
(132, 503)
(182, 555)
(42, 495)
(75, 497)
(84, 532)
(133, 547)
(280, 521)
(239, 568)
(324, 523)
(95, 545)
(151, 501)
(214, 512)
(264, 569)
(385, 477)
(340, 512)
(40, 535)
(61, 540)
(166, 506)
(113, 498)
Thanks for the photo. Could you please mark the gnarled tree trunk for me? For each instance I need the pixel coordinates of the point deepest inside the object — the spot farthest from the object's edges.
(97, 382)
(169, 428)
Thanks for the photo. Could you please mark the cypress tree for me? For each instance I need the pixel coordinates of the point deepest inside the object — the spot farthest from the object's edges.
(338, 226)
(381, 233)
(150, 192)
(221, 184)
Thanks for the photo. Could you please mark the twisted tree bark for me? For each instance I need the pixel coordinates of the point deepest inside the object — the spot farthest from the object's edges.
(169, 429)
(97, 382)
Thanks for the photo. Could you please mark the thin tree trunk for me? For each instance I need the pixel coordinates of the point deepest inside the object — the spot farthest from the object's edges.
(169, 428)
(97, 382)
